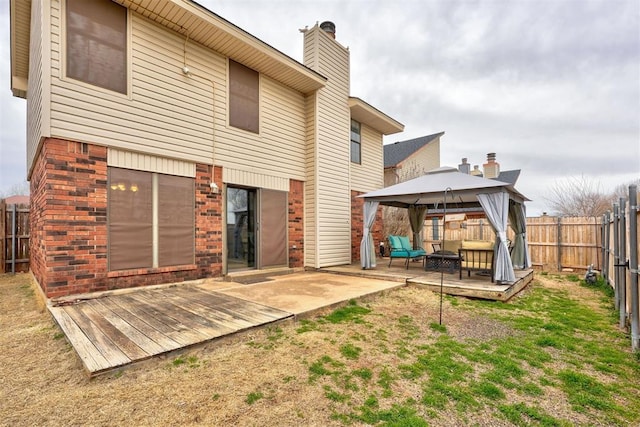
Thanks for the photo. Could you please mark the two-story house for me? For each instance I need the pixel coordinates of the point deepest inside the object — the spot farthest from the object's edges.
(165, 144)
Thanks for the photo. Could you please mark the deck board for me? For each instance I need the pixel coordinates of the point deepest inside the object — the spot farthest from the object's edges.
(132, 316)
(91, 358)
(103, 344)
(116, 330)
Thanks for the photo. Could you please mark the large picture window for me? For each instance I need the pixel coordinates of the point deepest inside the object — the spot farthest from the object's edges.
(151, 220)
(355, 142)
(97, 43)
(244, 100)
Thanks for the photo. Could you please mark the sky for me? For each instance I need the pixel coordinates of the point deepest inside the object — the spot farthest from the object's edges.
(551, 86)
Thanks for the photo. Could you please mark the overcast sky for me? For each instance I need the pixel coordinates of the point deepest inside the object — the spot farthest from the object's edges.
(552, 87)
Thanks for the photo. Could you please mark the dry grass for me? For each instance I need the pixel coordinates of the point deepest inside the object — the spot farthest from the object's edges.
(274, 376)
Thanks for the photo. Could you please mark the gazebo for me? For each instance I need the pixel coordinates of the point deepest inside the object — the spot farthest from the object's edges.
(443, 186)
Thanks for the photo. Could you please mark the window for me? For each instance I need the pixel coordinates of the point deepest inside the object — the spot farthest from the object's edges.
(244, 112)
(151, 220)
(355, 142)
(97, 43)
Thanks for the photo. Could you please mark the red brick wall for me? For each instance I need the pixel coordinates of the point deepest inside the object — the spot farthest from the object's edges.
(69, 217)
(296, 223)
(69, 224)
(208, 222)
(357, 204)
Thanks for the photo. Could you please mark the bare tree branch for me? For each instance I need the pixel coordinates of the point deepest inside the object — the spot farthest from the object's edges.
(578, 196)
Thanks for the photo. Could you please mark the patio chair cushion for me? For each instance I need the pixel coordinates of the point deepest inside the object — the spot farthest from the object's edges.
(452, 246)
(477, 244)
(405, 243)
(401, 248)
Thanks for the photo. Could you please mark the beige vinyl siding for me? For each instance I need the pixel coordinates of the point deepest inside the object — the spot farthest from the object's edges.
(279, 148)
(148, 163)
(368, 176)
(38, 84)
(166, 113)
(333, 201)
(423, 160)
(254, 179)
(310, 185)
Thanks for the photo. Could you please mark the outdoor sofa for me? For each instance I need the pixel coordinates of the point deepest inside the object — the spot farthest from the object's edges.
(472, 255)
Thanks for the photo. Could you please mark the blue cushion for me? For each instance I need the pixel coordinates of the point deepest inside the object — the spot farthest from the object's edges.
(395, 243)
(404, 242)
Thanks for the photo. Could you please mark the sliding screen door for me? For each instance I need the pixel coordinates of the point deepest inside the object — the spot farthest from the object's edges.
(273, 228)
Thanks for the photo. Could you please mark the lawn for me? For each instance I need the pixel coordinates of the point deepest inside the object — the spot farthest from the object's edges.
(552, 356)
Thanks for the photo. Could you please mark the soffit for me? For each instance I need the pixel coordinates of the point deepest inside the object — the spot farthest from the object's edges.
(20, 12)
(365, 113)
(205, 27)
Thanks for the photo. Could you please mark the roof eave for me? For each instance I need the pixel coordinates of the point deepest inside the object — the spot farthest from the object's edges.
(203, 26)
(20, 21)
(369, 115)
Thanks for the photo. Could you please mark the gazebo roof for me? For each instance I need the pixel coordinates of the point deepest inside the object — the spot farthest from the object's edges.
(429, 189)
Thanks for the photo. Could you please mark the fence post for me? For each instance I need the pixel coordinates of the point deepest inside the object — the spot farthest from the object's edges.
(481, 229)
(559, 243)
(633, 265)
(605, 256)
(616, 256)
(14, 212)
(595, 224)
(604, 246)
(622, 250)
(3, 239)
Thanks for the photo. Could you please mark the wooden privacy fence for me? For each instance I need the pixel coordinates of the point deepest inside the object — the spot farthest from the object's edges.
(14, 238)
(620, 255)
(555, 243)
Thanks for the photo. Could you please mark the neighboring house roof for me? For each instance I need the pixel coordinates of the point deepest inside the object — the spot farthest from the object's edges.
(371, 116)
(397, 152)
(192, 20)
(17, 200)
(509, 176)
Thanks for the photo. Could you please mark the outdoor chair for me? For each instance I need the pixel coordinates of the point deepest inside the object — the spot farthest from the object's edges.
(401, 248)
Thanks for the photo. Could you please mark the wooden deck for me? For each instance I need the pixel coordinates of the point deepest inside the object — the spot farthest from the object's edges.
(476, 286)
(117, 330)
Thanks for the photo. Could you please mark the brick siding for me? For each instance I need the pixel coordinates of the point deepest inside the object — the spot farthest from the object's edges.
(357, 205)
(296, 223)
(69, 224)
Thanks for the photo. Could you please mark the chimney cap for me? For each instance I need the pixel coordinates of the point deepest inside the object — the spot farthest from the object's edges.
(329, 27)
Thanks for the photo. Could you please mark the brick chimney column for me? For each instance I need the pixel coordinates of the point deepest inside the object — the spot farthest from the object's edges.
(491, 168)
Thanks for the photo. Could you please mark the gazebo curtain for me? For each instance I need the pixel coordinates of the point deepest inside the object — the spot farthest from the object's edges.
(367, 250)
(416, 219)
(520, 254)
(496, 206)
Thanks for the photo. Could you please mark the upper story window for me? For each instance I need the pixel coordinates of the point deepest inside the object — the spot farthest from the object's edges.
(97, 43)
(244, 112)
(355, 142)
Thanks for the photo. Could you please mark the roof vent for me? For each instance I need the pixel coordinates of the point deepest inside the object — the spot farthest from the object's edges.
(464, 167)
(329, 28)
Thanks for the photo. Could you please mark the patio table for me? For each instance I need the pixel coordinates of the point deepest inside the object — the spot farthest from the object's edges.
(442, 261)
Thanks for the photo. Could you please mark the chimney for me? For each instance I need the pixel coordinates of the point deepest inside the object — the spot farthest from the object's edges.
(329, 28)
(476, 171)
(491, 168)
(464, 167)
